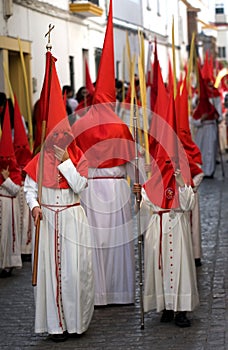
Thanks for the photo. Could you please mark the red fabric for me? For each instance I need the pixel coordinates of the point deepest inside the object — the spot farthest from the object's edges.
(45, 92)
(21, 146)
(184, 133)
(41, 107)
(194, 168)
(105, 90)
(211, 90)
(7, 155)
(190, 146)
(58, 130)
(160, 110)
(51, 103)
(208, 76)
(84, 105)
(161, 188)
(207, 68)
(56, 108)
(104, 138)
(170, 86)
(38, 123)
(154, 87)
(204, 105)
(51, 172)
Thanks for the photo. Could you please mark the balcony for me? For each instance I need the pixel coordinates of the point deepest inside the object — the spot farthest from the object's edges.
(86, 8)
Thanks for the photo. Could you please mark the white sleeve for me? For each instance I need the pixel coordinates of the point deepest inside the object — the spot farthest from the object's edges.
(196, 122)
(31, 192)
(186, 198)
(197, 180)
(11, 187)
(76, 182)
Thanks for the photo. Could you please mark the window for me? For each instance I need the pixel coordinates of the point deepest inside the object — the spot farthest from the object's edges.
(219, 9)
(148, 6)
(158, 8)
(222, 52)
(85, 56)
(98, 53)
(71, 66)
(117, 69)
(95, 2)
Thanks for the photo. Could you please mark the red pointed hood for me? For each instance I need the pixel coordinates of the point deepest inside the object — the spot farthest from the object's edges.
(50, 106)
(207, 69)
(154, 87)
(160, 110)
(204, 105)
(207, 72)
(84, 105)
(105, 90)
(56, 110)
(6, 144)
(58, 131)
(170, 86)
(162, 100)
(161, 188)
(184, 132)
(103, 137)
(21, 145)
(7, 155)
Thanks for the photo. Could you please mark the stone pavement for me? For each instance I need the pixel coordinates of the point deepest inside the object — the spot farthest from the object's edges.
(118, 327)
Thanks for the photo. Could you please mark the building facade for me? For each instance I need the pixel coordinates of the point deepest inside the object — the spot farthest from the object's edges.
(79, 28)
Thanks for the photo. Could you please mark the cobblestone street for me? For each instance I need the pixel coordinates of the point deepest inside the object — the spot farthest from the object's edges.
(118, 327)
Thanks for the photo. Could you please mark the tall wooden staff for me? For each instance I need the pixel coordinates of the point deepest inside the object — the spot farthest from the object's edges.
(41, 166)
(138, 199)
(28, 104)
(135, 133)
(142, 83)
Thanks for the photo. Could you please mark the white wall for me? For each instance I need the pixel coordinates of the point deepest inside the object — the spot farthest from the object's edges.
(70, 35)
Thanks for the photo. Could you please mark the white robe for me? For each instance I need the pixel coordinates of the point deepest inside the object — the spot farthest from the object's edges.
(174, 286)
(206, 139)
(64, 295)
(195, 219)
(107, 202)
(10, 244)
(26, 224)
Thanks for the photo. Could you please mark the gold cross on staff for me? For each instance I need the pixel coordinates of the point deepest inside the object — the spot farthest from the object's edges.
(49, 46)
